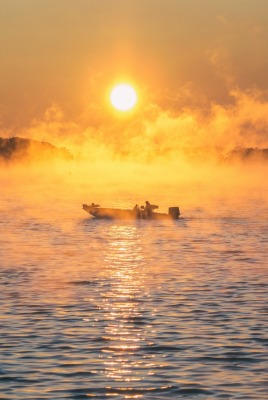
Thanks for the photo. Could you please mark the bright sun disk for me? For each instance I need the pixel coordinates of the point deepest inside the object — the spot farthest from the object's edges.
(123, 97)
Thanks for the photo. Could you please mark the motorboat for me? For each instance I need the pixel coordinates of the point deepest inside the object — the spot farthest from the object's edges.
(136, 213)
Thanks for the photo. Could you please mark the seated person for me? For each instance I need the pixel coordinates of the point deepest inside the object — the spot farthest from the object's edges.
(136, 208)
(148, 210)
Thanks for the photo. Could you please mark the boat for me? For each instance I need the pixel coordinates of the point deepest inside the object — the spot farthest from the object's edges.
(136, 213)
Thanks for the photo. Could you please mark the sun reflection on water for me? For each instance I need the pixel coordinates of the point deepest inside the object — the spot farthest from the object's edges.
(123, 305)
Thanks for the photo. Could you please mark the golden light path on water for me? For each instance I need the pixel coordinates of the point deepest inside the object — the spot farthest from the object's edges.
(122, 307)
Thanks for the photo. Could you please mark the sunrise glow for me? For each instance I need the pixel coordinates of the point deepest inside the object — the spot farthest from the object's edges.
(133, 199)
(123, 97)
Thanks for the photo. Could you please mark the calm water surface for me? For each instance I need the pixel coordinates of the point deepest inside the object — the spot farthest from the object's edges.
(127, 310)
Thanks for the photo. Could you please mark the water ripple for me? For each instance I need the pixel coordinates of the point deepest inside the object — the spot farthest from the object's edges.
(133, 310)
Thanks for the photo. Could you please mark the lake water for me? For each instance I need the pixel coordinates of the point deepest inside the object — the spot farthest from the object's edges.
(133, 309)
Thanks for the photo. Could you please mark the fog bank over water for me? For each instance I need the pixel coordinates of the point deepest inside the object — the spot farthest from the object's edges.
(152, 153)
(116, 182)
(152, 131)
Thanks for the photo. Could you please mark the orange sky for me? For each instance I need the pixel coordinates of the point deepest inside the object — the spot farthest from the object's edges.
(181, 55)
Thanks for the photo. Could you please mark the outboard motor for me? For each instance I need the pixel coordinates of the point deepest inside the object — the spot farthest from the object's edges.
(174, 212)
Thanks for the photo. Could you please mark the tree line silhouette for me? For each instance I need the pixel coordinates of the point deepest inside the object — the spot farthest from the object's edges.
(16, 148)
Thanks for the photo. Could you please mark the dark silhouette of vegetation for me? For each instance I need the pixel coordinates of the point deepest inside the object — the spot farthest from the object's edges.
(20, 149)
(219, 155)
(16, 149)
(248, 154)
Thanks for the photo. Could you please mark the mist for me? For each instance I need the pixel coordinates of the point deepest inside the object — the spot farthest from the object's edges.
(186, 158)
(152, 132)
(102, 176)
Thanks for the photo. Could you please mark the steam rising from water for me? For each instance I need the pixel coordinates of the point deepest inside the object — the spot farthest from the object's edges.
(153, 132)
(154, 153)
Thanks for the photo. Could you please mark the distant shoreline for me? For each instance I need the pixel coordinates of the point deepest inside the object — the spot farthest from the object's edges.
(21, 149)
(17, 149)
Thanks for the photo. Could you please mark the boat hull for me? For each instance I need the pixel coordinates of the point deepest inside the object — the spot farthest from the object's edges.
(116, 213)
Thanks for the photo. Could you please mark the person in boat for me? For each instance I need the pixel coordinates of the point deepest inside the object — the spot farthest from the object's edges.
(142, 215)
(137, 210)
(148, 209)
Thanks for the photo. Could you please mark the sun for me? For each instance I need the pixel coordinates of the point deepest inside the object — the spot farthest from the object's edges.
(123, 97)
